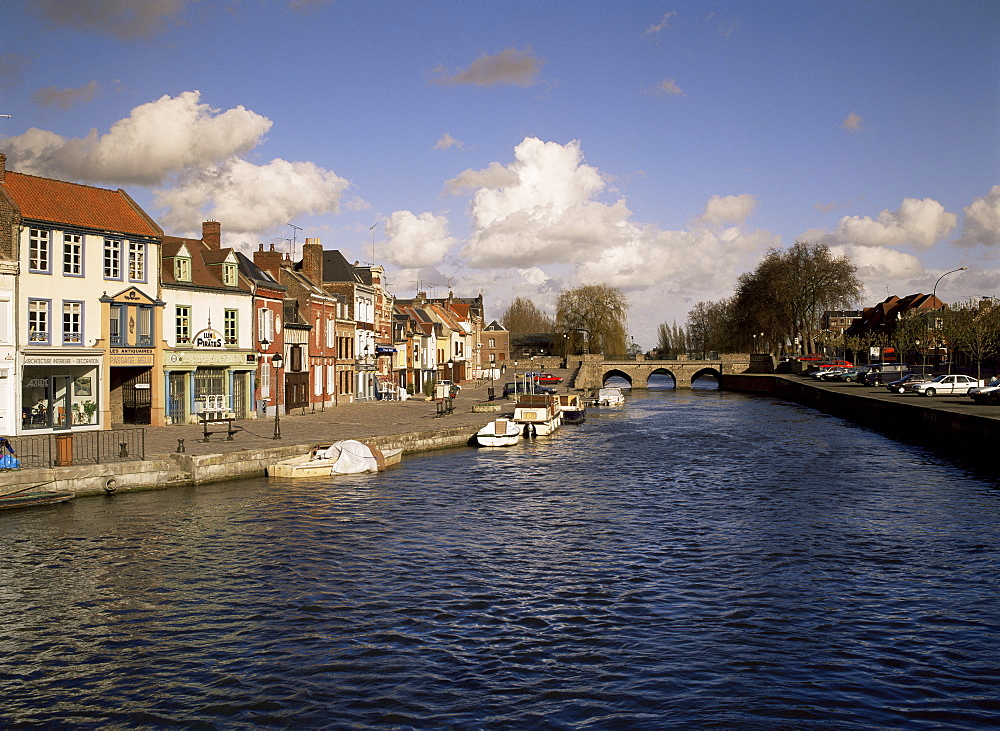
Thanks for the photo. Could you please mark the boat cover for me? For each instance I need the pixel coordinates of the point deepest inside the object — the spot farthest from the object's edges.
(350, 457)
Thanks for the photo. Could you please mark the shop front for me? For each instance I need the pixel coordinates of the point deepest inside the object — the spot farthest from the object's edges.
(60, 392)
(208, 379)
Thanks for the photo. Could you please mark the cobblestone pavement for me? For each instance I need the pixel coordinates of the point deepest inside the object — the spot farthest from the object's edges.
(350, 421)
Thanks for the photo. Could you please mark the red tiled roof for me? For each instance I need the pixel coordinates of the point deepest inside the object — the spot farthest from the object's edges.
(56, 201)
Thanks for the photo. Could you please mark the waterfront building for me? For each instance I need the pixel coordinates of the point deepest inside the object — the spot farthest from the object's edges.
(210, 360)
(78, 307)
(493, 348)
(424, 345)
(268, 297)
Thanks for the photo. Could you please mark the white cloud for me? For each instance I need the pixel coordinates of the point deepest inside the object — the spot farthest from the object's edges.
(417, 240)
(981, 223)
(662, 25)
(853, 123)
(156, 140)
(446, 141)
(668, 87)
(249, 198)
(510, 66)
(728, 209)
(918, 223)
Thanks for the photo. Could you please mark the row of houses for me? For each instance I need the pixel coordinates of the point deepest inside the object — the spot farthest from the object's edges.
(105, 320)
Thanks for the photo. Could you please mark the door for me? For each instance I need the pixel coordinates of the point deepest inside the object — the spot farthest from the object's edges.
(60, 415)
(240, 381)
(137, 398)
(177, 398)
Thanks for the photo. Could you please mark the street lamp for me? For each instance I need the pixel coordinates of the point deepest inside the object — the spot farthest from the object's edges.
(934, 297)
(276, 361)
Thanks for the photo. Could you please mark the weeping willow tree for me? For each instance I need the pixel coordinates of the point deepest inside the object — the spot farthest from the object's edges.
(595, 317)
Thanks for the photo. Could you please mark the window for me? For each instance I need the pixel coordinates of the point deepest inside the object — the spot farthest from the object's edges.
(38, 250)
(265, 325)
(182, 269)
(493, 342)
(231, 327)
(38, 321)
(330, 329)
(72, 323)
(183, 324)
(5, 310)
(115, 325)
(145, 325)
(73, 255)
(112, 259)
(318, 380)
(265, 380)
(229, 274)
(136, 261)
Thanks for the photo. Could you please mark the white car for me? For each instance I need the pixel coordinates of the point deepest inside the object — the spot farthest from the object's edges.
(947, 385)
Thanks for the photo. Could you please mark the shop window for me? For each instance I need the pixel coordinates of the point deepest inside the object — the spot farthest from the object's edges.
(72, 325)
(183, 325)
(39, 250)
(38, 322)
(73, 255)
(112, 259)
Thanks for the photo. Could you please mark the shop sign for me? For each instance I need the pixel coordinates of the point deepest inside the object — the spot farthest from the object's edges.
(209, 338)
(201, 358)
(55, 360)
(130, 357)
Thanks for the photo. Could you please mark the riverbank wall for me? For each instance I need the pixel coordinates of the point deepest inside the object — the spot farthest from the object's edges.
(946, 423)
(180, 469)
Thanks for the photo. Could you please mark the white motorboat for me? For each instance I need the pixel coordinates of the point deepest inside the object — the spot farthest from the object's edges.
(608, 397)
(347, 457)
(499, 433)
(538, 414)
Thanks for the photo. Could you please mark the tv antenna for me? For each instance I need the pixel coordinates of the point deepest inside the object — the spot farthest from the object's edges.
(295, 229)
(372, 229)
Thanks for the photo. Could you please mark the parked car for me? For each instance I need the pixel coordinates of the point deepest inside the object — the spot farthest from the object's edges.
(990, 397)
(549, 379)
(955, 384)
(827, 375)
(908, 382)
(850, 375)
(884, 372)
(509, 389)
(980, 393)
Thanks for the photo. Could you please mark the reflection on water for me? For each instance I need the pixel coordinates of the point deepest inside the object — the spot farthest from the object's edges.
(695, 558)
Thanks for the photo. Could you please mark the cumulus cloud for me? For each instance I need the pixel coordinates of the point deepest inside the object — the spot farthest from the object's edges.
(249, 198)
(53, 96)
(157, 139)
(510, 66)
(853, 123)
(193, 157)
(446, 141)
(981, 222)
(727, 209)
(917, 222)
(126, 19)
(417, 240)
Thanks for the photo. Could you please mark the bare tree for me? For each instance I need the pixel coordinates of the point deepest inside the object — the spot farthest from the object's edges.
(973, 327)
(599, 311)
(522, 316)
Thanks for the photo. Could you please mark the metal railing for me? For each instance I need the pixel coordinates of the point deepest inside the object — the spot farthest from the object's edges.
(80, 447)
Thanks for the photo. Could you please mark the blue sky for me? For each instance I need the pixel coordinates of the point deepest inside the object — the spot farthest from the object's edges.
(519, 148)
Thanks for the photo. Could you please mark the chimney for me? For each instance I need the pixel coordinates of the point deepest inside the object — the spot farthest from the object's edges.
(211, 234)
(269, 261)
(312, 261)
(3, 167)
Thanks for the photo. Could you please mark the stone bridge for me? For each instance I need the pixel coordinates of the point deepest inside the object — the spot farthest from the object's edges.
(591, 371)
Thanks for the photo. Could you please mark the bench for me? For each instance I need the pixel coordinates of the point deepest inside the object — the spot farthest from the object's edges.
(207, 421)
(445, 406)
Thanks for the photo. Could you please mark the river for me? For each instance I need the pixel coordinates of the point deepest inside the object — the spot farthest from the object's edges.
(695, 559)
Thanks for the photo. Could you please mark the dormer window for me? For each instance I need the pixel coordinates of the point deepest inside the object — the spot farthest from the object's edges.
(182, 269)
(229, 274)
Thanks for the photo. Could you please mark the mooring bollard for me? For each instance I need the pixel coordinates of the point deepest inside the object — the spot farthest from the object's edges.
(180, 445)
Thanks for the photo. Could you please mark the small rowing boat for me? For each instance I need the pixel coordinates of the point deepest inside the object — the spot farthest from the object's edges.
(347, 457)
(29, 499)
(499, 433)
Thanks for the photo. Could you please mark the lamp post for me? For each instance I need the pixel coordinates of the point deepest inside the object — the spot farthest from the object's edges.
(934, 297)
(276, 361)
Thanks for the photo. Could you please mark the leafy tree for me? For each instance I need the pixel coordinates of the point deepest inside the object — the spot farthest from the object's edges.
(599, 311)
(671, 340)
(522, 316)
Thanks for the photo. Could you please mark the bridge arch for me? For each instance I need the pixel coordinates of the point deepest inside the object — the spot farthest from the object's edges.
(612, 373)
(661, 371)
(713, 372)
